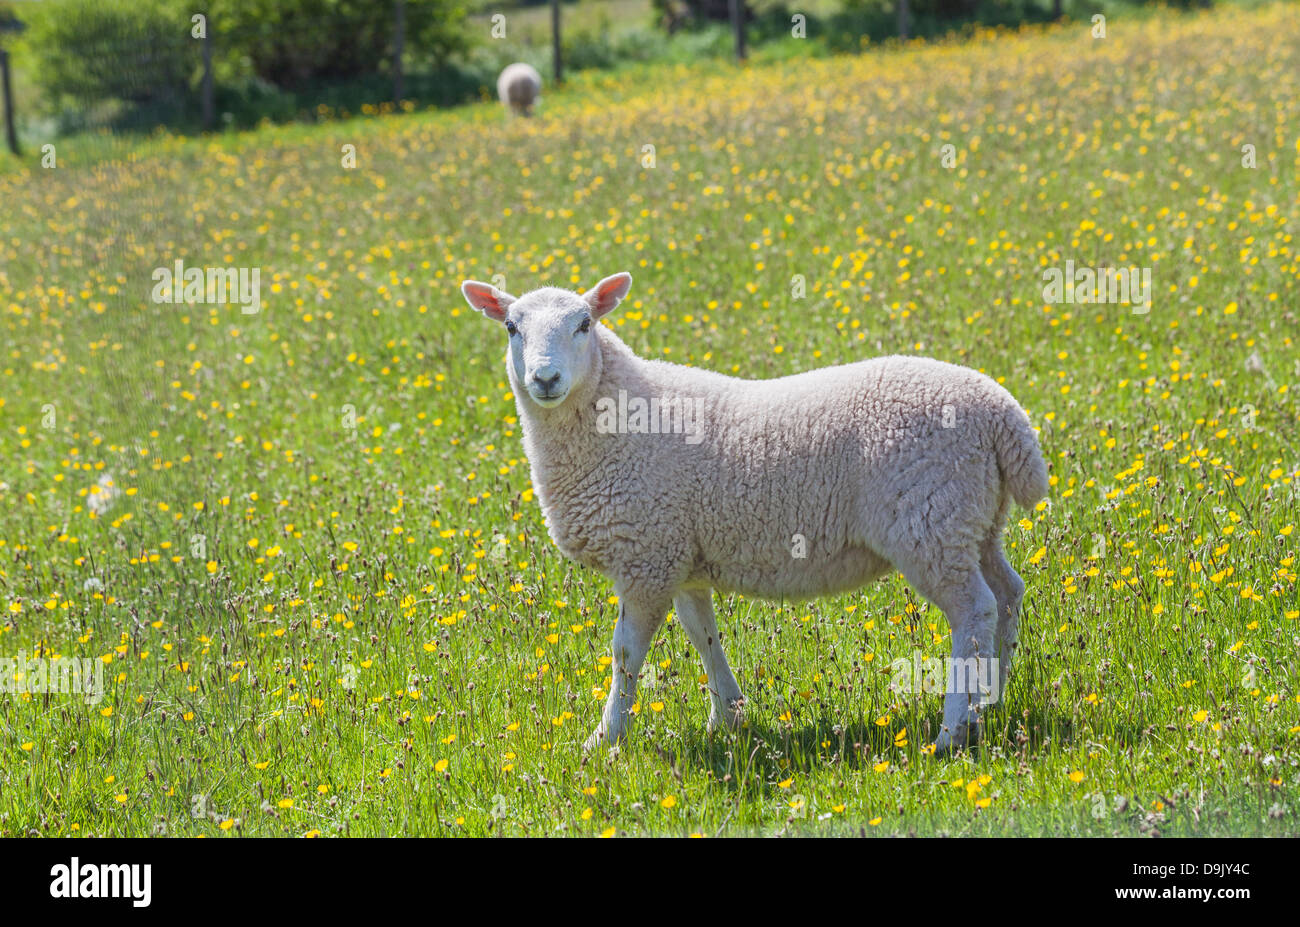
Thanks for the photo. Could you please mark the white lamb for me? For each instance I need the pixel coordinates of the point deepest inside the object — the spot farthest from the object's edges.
(519, 87)
(796, 487)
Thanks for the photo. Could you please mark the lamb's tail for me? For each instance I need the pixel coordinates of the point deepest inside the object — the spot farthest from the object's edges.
(1020, 459)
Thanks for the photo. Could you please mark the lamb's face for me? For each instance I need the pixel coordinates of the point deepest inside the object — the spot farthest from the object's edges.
(552, 348)
(550, 344)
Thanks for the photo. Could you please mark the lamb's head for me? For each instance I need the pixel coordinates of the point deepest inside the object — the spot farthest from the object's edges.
(552, 350)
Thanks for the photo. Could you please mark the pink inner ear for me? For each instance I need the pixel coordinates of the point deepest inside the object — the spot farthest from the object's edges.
(605, 297)
(485, 299)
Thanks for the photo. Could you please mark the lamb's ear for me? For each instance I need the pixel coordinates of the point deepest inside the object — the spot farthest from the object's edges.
(487, 299)
(607, 294)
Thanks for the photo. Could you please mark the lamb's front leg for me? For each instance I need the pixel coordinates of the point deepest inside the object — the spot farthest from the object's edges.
(638, 620)
(695, 612)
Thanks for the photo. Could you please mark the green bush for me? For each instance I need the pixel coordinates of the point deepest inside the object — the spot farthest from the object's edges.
(588, 49)
(640, 44)
(878, 19)
(7, 15)
(293, 43)
(137, 51)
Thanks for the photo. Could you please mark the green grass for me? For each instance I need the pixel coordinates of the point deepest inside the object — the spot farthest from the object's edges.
(311, 627)
(535, 21)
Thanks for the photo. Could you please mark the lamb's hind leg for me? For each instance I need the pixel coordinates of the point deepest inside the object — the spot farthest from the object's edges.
(638, 620)
(971, 609)
(695, 612)
(1009, 589)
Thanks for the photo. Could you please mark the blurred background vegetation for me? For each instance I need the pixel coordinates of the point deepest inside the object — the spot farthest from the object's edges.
(83, 65)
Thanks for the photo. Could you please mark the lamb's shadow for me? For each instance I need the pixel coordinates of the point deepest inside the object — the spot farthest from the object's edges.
(752, 760)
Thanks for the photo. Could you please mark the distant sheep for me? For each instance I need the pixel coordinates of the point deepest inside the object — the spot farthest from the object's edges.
(519, 87)
(675, 481)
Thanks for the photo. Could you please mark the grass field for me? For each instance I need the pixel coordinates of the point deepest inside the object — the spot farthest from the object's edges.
(302, 544)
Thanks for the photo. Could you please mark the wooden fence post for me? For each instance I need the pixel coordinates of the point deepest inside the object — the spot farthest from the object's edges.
(10, 134)
(399, 43)
(555, 41)
(209, 110)
(737, 10)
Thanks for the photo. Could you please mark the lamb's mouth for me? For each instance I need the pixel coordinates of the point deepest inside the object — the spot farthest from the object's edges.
(548, 400)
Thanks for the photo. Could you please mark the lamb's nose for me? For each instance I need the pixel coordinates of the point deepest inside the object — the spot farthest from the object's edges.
(547, 380)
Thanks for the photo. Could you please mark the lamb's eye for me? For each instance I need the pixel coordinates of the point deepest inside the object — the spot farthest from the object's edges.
(585, 326)
(510, 327)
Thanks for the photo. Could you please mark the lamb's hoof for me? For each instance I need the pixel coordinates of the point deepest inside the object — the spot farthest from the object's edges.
(730, 718)
(949, 742)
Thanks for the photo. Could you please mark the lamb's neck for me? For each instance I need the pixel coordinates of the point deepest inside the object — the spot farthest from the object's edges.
(621, 369)
(558, 440)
